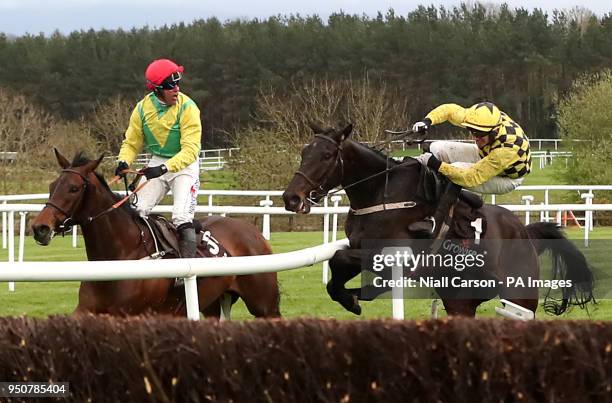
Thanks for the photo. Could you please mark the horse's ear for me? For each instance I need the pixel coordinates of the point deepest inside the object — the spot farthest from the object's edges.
(316, 128)
(346, 131)
(92, 165)
(61, 160)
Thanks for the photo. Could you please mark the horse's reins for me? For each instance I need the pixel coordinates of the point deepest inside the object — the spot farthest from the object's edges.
(340, 159)
(69, 220)
(119, 203)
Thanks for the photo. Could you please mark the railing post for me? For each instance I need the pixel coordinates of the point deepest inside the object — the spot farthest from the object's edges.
(325, 274)
(493, 199)
(191, 298)
(74, 236)
(590, 201)
(527, 199)
(210, 202)
(4, 230)
(546, 213)
(397, 274)
(11, 244)
(588, 216)
(336, 200)
(265, 230)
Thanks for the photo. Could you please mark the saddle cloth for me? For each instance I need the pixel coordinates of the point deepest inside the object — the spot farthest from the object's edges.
(467, 217)
(166, 236)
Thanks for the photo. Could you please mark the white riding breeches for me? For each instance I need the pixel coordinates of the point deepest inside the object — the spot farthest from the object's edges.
(184, 185)
(464, 155)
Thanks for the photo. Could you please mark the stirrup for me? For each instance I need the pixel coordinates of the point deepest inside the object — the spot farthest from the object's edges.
(429, 231)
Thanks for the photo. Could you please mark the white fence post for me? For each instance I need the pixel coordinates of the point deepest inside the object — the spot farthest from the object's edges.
(22, 223)
(210, 202)
(546, 213)
(527, 199)
(588, 216)
(4, 231)
(191, 298)
(325, 274)
(265, 230)
(74, 236)
(397, 274)
(336, 199)
(11, 244)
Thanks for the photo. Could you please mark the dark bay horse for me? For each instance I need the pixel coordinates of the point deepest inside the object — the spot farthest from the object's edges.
(332, 159)
(80, 193)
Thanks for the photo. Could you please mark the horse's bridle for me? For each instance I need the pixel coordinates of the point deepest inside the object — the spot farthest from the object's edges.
(69, 221)
(319, 186)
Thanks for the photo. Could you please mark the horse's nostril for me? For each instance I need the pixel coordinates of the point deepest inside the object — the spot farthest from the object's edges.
(294, 201)
(291, 201)
(41, 230)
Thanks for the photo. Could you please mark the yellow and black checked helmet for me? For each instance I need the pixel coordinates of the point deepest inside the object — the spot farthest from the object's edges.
(483, 116)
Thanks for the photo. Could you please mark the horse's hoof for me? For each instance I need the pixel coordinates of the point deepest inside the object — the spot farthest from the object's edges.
(355, 307)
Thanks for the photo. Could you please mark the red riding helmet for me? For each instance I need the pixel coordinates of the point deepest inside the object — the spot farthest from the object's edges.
(159, 70)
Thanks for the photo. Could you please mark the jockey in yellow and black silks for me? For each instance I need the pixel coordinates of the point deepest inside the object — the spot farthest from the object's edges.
(167, 123)
(496, 164)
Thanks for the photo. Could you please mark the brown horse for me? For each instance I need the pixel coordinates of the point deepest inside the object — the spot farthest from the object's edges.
(79, 194)
(372, 180)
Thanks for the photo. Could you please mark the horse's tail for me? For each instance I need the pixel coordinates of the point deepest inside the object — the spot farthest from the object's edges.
(568, 263)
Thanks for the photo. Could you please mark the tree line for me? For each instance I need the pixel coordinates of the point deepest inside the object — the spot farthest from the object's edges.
(525, 61)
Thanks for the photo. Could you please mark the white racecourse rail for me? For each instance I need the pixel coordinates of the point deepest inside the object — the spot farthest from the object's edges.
(189, 269)
(42, 271)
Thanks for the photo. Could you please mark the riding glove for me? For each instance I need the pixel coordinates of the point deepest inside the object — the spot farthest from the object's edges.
(154, 172)
(429, 161)
(421, 126)
(121, 166)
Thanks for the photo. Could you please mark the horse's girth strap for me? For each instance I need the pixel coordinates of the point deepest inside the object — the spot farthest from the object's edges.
(383, 207)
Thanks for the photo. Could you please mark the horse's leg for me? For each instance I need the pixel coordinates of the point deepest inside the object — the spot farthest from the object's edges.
(209, 291)
(344, 265)
(260, 294)
(213, 310)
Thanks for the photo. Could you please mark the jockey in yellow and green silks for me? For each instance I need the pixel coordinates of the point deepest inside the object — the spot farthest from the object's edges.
(496, 164)
(166, 122)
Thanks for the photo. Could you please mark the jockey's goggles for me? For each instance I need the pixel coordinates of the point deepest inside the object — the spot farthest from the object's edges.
(478, 133)
(172, 81)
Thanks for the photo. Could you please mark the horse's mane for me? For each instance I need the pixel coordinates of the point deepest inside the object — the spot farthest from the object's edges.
(379, 153)
(80, 159)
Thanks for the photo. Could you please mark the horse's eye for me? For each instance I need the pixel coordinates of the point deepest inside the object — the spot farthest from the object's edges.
(73, 189)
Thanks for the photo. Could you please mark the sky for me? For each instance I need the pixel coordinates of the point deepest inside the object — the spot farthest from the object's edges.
(18, 17)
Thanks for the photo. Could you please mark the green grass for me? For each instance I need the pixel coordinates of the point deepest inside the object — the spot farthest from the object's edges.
(303, 293)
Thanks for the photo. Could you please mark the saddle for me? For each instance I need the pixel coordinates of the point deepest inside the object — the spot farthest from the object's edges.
(166, 241)
(466, 217)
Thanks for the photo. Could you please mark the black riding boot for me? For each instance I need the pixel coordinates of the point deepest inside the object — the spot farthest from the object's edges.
(187, 246)
(187, 240)
(447, 200)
